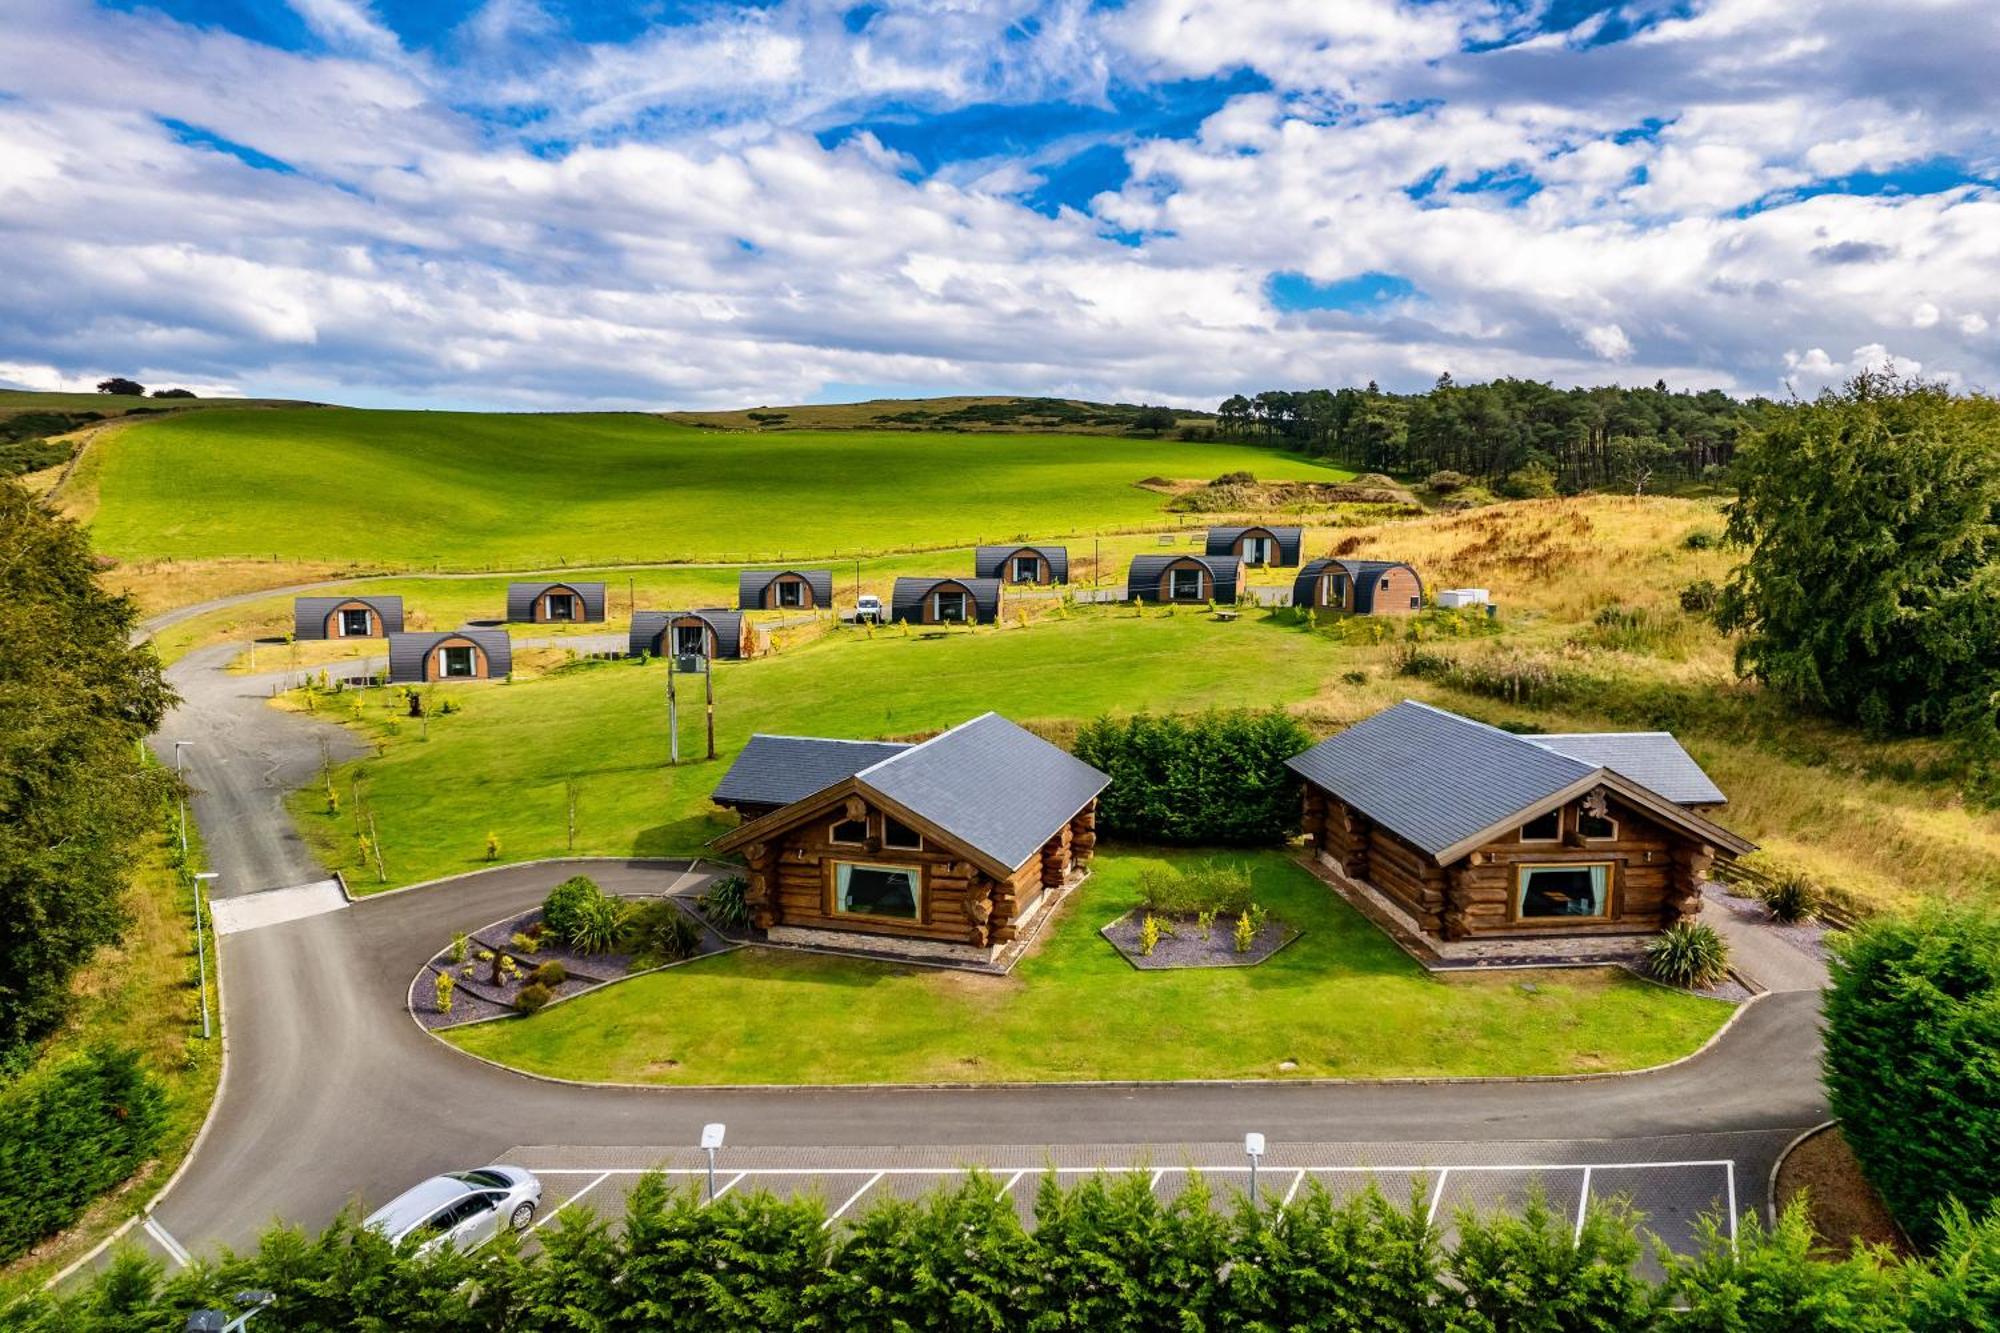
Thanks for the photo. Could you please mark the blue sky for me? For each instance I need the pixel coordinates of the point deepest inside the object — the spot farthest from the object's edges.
(538, 203)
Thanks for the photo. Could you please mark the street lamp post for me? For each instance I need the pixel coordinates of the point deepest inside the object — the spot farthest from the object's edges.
(201, 949)
(1253, 1148)
(180, 798)
(711, 1139)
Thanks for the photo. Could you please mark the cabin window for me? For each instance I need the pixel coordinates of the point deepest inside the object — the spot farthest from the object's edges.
(562, 606)
(1543, 828)
(890, 891)
(1257, 550)
(691, 640)
(456, 660)
(1596, 828)
(1027, 569)
(853, 832)
(949, 606)
(353, 623)
(1336, 590)
(1185, 585)
(897, 834)
(1416, 603)
(1562, 891)
(791, 593)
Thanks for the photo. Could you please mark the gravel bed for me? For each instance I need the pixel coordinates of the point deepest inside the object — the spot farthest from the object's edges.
(1808, 937)
(1186, 947)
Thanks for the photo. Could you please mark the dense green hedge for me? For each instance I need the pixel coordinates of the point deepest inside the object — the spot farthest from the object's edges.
(68, 1134)
(1104, 1255)
(1215, 779)
(1913, 1059)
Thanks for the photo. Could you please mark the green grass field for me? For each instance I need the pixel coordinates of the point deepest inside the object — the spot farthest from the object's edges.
(1341, 1001)
(501, 762)
(411, 490)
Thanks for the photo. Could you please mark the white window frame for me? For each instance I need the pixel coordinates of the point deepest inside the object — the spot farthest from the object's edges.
(1336, 590)
(793, 589)
(964, 606)
(1027, 569)
(915, 873)
(701, 631)
(1258, 550)
(444, 671)
(1521, 834)
(1174, 583)
(833, 832)
(1524, 871)
(340, 617)
(1588, 837)
(570, 601)
(916, 832)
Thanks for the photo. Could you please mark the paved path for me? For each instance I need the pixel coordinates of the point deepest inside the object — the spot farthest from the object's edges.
(332, 1092)
(1769, 956)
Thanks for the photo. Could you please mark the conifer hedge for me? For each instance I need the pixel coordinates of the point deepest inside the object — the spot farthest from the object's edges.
(1105, 1254)
(69, 1133)
(1213, 779)
(1913, 1059)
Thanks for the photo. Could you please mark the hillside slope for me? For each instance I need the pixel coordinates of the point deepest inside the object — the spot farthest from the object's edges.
(991, 413)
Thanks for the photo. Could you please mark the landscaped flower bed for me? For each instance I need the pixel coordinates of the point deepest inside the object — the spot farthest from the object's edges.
(578, 939)
(1203, 916)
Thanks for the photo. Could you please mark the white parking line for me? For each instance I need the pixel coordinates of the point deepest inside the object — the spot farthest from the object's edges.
(1582, 1209)
(1159, 1172)
(1732, 1205)
(1297, 1181)
(728, 1185)
(550, 1216)
(870, 1184)
(1012, 1181)
(166, 1242)
(1437, 1196)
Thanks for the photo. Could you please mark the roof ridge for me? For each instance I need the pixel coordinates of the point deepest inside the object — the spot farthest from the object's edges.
(825, 740)
(1577, 735)
(1514, 737)
(912, 749)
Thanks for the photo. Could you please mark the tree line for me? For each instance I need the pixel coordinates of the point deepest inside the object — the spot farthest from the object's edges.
(1605, 438)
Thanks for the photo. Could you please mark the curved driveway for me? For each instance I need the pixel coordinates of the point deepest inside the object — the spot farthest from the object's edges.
(331, 1090)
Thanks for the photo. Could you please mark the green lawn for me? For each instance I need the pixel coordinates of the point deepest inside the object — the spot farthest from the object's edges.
(1342, 1001)
(469, 490)
(500, 763)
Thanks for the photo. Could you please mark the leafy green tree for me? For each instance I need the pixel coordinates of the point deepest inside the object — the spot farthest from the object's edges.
(121, 387)
(1768, 1278)
(1318, 1264)
(1154, 421)
(76, 700)
(957, 1262)
(1913, 1059)
(1871, 591)
(1540, 1271)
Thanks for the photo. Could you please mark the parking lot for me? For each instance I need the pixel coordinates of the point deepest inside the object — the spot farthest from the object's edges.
(1671, 1194)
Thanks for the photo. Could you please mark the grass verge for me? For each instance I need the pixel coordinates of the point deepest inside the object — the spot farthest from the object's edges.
(1340, 1002)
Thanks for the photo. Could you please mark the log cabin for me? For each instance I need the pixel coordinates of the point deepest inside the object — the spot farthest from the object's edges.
(1362, 587)
(1183, 578)
(1469, 831)
(718, 634)
(1257, 545)
(555, 603)
(784, 589)
(945, 601)
(370, 617)
(1022, 564)
(459, 654)
(943, 850)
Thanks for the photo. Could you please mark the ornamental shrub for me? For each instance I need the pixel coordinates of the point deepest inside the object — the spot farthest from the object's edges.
(550, 974)
(1792, 898)
(68, 1134)
(1688, 953)
(1533, 482)
(1214, 779)
(600, 925)
(567, 902)
(725, 903)
(1191, 890)
(1912, 1027)
(532, 996)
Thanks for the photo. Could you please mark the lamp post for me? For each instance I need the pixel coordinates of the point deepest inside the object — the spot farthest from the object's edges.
(711, 1139)
(1253, 1148)
(201, 949)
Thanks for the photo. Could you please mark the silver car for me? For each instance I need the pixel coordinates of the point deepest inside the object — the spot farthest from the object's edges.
(463, 1209)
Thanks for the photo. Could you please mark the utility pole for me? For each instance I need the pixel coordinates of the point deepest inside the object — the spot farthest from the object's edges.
(708, 680)
(673, 709)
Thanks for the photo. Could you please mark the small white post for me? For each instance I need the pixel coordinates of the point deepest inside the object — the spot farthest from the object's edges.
(711, 1139)
(1253, 1148)
(201, 949)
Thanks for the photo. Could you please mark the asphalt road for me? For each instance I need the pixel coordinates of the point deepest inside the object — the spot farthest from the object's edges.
(332, 1092)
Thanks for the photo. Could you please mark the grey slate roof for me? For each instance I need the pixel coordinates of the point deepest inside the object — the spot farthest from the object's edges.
(521, 598)
(907, 598)
(989, 562)
(778, 770)
(997, 788)
(647, 627)
(407, 652)
(1142, 579)
(1221, 541)
(750, 585)
(309, 613)
(1653, 759)
(1435, 778)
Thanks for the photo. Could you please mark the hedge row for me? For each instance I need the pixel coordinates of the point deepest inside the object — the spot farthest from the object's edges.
(1913, 1059)
(1104, 1255)
(1214, 779)
(68, 1134)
